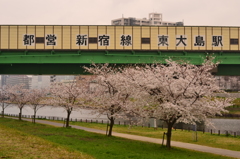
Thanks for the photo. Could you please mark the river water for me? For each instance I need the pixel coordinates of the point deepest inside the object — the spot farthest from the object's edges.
(56, 112)
(225, 125)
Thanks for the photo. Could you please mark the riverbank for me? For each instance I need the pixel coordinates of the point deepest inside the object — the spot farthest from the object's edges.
(99, 146)
(229, 142)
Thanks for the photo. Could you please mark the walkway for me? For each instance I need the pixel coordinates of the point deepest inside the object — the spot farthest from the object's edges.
(218, 151)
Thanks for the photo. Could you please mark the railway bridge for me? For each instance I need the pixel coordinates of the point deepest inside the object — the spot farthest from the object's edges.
(58, 49)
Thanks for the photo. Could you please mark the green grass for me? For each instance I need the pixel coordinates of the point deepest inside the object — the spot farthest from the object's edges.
(235, 109)
(236, 102)
(206, 139)
(20, 145)
(96, 145)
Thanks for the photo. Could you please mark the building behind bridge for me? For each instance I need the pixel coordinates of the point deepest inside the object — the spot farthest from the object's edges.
(229, 83)
(11, 80)
(155, 19)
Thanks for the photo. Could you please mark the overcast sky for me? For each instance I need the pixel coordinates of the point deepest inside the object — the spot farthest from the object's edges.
(101, 12)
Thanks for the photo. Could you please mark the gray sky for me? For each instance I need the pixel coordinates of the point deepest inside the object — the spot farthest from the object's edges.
(101, 12)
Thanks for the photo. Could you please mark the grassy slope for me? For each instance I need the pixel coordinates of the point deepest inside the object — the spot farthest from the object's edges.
(97, 145)
(18, 144)
(231, 143)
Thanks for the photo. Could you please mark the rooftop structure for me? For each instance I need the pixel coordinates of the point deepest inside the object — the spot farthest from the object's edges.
(155, 19)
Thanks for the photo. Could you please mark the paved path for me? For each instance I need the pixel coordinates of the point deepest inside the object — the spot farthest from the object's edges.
(218, 151)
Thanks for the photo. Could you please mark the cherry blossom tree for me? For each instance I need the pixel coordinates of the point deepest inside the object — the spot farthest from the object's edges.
(19, 96)
(111, 95)
(36, 100)
(177, 92)
(4, 98)
(69, 96)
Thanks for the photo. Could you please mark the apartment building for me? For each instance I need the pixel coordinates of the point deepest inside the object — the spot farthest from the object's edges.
(155, 19)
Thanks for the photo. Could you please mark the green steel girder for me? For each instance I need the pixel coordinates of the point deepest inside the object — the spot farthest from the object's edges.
(42, 69)
(87, 57)
(68, 69)
(66, 56)
(70, 61)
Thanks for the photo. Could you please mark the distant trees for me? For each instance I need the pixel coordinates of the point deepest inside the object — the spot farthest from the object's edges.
(68, 96)
(37, 100)
(20, 96)
(4, 98)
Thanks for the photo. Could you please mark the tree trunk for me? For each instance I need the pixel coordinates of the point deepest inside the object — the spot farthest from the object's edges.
(111, 126)
(34, 116)
(68, 117)
(169, 135)
(3, 109)
(20, 114)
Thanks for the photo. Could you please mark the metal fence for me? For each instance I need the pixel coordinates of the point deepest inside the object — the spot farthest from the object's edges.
(179, 126)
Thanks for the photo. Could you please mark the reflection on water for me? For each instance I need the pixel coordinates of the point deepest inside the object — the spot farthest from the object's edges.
(55, 111)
